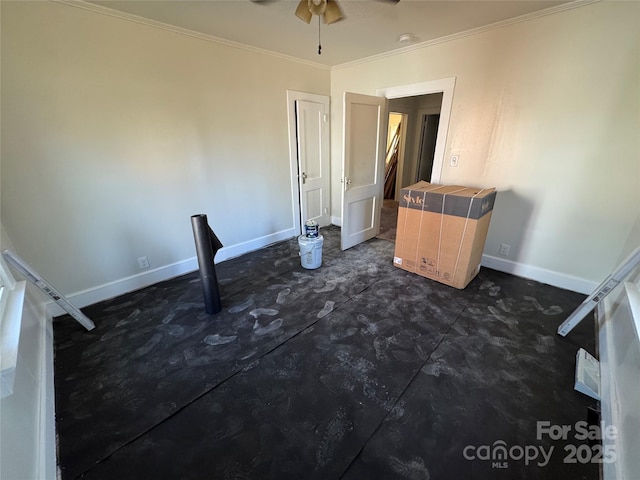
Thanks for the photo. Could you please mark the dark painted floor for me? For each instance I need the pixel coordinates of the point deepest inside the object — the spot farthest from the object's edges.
(356, 370)
(388, 220)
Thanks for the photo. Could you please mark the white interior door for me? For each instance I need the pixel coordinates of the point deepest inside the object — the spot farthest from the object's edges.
(313, 157)
(365, 131)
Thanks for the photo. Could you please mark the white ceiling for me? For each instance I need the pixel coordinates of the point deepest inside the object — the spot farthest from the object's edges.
(371, 27)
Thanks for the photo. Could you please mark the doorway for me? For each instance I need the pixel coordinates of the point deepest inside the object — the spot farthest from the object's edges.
(426, 108)
(363, 179)
(405, 93)
(396, 138)
(308, 116)
(395, 135)
(428, 134)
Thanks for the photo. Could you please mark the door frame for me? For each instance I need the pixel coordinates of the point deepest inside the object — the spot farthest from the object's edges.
(294, 164)
(446, 86)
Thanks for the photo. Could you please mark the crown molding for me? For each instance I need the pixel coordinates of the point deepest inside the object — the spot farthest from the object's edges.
(474, 31)
(182, 31)
(232, 44)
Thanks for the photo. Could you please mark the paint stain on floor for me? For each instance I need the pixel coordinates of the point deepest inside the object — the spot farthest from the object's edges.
(356, 370)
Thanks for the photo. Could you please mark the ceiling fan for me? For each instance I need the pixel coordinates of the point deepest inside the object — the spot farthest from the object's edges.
(327, 9)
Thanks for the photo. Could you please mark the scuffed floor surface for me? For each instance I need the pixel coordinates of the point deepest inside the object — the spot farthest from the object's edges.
(356, 370)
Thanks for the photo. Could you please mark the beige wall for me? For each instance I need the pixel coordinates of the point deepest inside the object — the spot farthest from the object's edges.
(545, 110)
(115, 133)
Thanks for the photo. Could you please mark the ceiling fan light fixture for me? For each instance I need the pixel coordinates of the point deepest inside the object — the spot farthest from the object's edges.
(332, 13)
(303, 12)
(317, 7)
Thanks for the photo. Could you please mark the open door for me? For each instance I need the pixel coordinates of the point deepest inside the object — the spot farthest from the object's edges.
(365, 132)
(309, 161)
(313, 157)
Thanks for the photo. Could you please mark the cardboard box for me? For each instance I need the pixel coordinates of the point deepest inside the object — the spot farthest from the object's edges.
(442, 230)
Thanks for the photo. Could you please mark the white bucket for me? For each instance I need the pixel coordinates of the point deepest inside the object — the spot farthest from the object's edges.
(310, 251)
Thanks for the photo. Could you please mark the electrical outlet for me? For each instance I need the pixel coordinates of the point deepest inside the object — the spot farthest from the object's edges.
(454, 160)
(143, 262)
(504, 249)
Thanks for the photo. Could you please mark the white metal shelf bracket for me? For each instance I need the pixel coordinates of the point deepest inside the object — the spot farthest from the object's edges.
(609, 283)
(30, 274)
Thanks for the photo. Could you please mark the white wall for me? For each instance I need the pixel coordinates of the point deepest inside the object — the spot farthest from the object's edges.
(632, 242)
(547, 112)
(115, 133)
(27, 422)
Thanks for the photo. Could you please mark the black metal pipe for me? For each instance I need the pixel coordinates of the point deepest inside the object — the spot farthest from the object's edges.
(207, 245)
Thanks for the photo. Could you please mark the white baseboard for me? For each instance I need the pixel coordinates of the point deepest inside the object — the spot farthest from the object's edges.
(124, 285)
(150, 277)
(238, 249)
(336, 221)
(542, 275)
(166, 272)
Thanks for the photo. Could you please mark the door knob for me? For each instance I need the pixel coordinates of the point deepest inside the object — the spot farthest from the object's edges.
(304, 178)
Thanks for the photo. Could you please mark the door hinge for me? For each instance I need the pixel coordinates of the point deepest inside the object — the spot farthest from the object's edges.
(325, 117)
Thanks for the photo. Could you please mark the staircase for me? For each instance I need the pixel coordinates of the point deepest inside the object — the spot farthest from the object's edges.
(391, 165)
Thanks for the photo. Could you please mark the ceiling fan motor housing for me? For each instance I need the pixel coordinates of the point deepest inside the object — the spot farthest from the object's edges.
(317, 7)
(327, 9)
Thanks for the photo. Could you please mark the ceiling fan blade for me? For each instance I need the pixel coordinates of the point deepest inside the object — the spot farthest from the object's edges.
(303, 12)
(333, 13)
